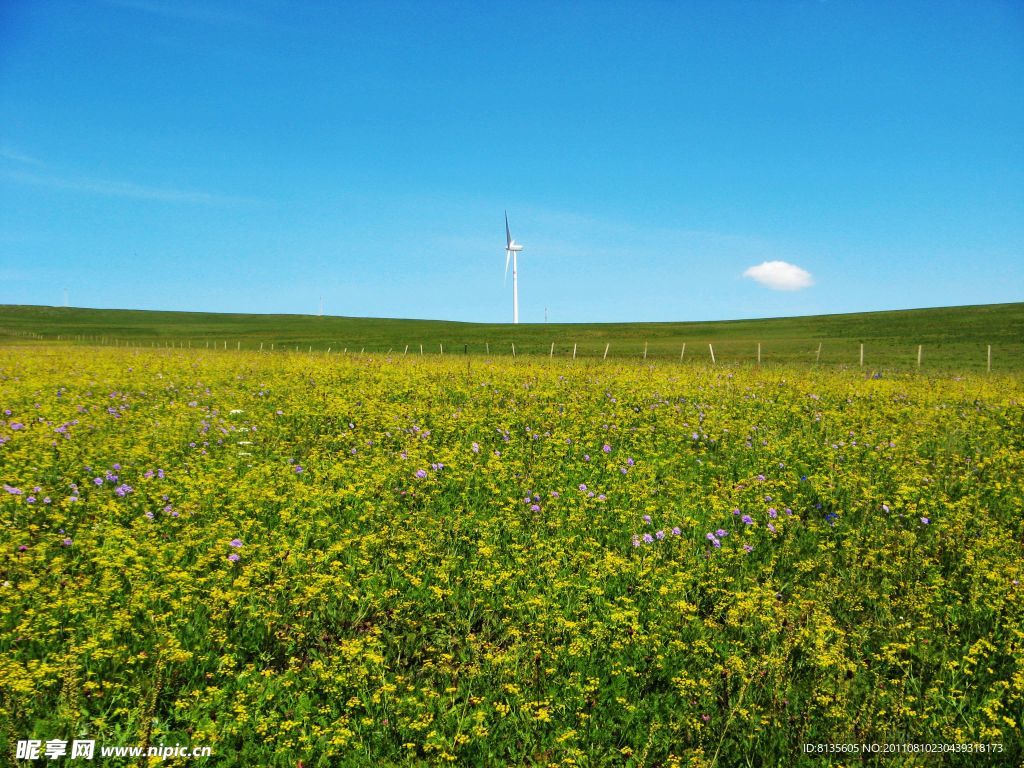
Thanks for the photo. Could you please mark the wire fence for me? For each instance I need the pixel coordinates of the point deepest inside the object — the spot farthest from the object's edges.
(869, 354)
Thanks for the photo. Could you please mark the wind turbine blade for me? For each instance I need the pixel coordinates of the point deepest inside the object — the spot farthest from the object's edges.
(507, 255)
(508, 234)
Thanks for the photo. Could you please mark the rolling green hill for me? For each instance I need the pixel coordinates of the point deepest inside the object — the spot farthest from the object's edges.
(951, 337)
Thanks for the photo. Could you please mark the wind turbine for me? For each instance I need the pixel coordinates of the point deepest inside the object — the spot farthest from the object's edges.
(512, 249)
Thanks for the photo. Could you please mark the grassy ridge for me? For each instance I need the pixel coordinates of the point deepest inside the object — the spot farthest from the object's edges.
(953, 337)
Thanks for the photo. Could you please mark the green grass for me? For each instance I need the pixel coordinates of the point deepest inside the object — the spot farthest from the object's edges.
(349, 561)
(952, 337)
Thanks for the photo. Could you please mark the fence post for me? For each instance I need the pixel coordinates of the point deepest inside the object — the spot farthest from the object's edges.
(406, 350)
(442, 347)
(919, 355)
(712, 354)
(817, 357)
(574, 350)
(759, 353)
(682, 353)
(862, 354)
(487, 346)
(421, 350)
(552, 352)
(645, 350)
(513, 350)
(605, 357)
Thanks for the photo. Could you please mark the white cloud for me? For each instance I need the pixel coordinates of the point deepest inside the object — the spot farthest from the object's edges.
(8, 152)
(122, 189)
(780, 276)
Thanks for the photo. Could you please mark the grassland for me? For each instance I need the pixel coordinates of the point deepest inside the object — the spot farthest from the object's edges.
(370, 560)
(953, 338)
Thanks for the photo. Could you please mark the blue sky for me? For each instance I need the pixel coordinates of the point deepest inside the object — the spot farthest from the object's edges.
(252, 157)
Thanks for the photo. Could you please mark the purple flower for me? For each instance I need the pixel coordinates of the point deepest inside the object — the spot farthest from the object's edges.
(709, 536)
(236, 543)
(535, 507)
(22, 548)
(600, 497)
(30, 499)
(636, 540)
(647, 519)
(160, 474)
(772, 513)
(748, 548)
(234, 557)
(771, 527)
(586, 457)
(149, 515)
(299, 470)
(676, 531)
(16, 425)
(789, 511)
(735, 511)
(747, 519)
(66, 542)
(660, 535)
(98, 480)
(583, 486)
(606, 448)
(123, 490)
(761, 478)
(475, 447)
(421, 473)
(721, 533)
(648, 538)
(630, 462)
(925, 520)
(623, 470)
(554, 494)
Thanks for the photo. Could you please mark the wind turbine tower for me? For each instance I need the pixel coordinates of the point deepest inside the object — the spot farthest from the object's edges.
(512, 249)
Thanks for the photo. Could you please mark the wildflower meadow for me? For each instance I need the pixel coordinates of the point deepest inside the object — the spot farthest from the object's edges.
(299, 560)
